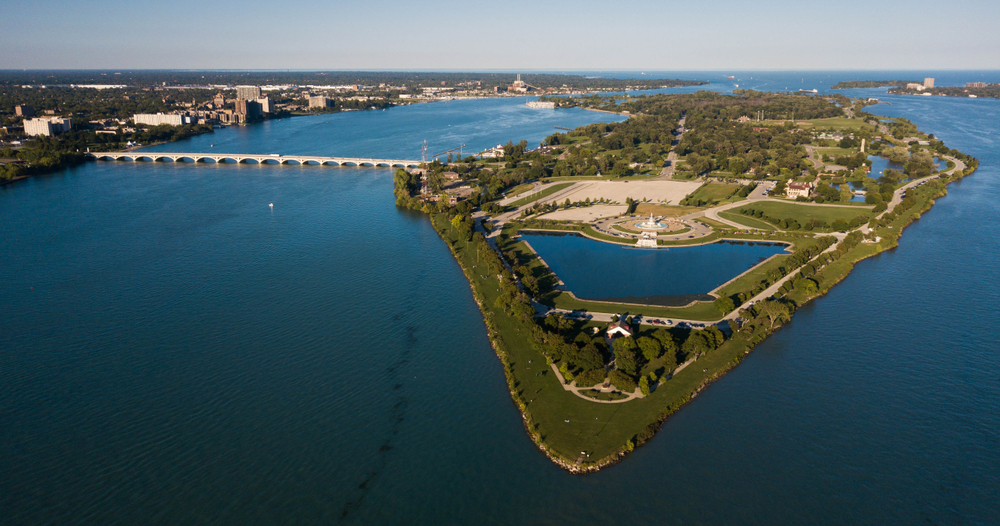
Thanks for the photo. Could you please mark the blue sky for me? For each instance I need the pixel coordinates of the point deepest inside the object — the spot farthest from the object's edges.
(449, 34)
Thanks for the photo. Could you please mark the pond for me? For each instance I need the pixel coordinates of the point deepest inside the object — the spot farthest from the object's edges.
(880, 164)
(664, 276)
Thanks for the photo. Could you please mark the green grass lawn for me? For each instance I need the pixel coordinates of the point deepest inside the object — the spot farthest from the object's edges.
(545, 192)
(837, 123)
(803, 213)
(834, 152)
(715, 192)
(746, 220)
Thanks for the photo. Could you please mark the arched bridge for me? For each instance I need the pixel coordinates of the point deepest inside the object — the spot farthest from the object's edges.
(314, 160)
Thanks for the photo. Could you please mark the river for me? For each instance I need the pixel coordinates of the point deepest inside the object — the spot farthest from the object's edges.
(174, 351)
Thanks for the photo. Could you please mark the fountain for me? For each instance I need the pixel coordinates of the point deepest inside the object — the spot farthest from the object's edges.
(651, 224)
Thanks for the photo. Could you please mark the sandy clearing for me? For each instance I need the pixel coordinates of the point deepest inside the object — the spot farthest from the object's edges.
(589, 213)
(669, 192)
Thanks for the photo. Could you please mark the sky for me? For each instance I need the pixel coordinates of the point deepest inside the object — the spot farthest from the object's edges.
(659, 35)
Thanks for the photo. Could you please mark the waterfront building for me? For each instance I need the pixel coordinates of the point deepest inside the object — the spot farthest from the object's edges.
(248, 92)
(915, 85)
(47, 126)
(159, 119)
(975, 84)
(23, 110)
(319, 101)
(250, 110)
(266, 104)
(928, 82)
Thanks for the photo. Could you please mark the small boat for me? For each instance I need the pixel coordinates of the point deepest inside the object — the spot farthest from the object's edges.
(271, 205)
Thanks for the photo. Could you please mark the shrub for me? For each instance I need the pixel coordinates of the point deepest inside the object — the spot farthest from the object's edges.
(622, 381)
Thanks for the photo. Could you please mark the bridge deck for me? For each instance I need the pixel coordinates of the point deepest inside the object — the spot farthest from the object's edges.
(140, 155)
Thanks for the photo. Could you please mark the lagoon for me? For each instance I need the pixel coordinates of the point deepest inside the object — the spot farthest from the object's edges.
(598, 270)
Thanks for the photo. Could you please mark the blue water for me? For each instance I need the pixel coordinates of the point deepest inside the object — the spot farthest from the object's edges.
(881, 164)
(854, 186)
(174, 352)
(597, 270)
(396, 133)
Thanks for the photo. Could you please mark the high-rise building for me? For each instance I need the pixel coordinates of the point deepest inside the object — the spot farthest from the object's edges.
(248, 92)
(47, 125)
(23, 110)
(319, 101)
(928, 82)
(266, 104)
(250, 109)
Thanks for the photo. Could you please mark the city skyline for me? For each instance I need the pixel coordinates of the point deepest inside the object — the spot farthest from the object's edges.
(447, 35)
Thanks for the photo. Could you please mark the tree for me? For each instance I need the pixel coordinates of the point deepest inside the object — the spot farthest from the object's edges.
(589, 358)
(772, 311)
(625, 358)
(644, 386)
(650, 348)
(724, 304)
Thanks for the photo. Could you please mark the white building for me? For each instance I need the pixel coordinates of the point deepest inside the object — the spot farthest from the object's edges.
(158, 119)
(795, 190)
(47, 125)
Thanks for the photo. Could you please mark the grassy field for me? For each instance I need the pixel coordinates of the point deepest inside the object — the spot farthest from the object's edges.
(715, 192)
(834, 152)
(746, 220)
(837, 123)
(645, 209)
(803, 213)
(540, 194)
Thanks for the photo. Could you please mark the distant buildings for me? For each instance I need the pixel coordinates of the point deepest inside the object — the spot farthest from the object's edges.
(159, 119)
(975, 84)
(519, 85)
(47, 126)
(248, 92)
(915, 85)
(928, 83)
(23, 110)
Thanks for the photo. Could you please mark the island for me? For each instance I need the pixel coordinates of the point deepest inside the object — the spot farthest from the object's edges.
(621, 268)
